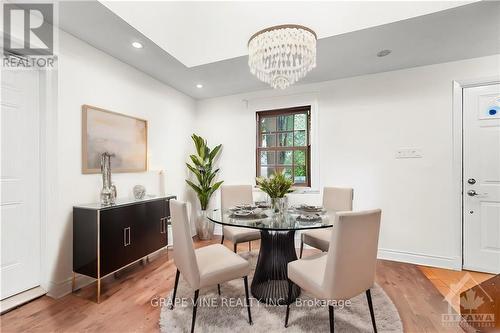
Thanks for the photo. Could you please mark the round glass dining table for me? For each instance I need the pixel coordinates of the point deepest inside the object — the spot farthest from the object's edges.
(277, 247)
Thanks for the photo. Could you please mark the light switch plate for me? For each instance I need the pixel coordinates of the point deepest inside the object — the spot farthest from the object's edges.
(409, 153)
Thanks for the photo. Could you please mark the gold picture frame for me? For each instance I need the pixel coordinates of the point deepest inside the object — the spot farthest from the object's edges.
(122, 135)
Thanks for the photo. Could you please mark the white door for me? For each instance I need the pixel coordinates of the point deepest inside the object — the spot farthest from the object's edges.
(19, 182)
(481, 183)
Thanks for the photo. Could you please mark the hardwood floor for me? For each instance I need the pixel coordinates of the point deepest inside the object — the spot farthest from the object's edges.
(448, 281)
(126, 301)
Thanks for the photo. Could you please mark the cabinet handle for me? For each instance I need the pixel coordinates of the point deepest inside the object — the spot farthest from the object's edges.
(162, 225)
(126, 240)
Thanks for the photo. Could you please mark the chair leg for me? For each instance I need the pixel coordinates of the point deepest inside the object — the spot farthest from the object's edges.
(289, 300)
(222, 240)
(301, 247)
(218, 289)
(245, 280)
(370, 305)
(234, 247)
(250, 246)
(332, 318)
(195, 306)
(177, 274)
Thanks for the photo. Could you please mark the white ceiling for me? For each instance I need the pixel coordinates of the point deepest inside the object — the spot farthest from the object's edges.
(198, 33)
(462, 32)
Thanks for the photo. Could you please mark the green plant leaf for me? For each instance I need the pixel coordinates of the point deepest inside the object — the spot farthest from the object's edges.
(195, 187)
(215, 187)
(276, 186)
(214, 152)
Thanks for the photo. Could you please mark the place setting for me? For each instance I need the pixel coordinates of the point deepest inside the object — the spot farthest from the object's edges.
(247, 211)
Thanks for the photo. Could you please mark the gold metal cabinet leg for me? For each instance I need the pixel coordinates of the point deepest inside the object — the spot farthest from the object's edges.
(98, 291)
(73, 282)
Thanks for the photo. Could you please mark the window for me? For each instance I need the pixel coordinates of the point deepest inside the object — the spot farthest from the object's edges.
(283, 143)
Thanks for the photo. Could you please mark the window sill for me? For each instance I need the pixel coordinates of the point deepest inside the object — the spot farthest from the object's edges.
(298, 190)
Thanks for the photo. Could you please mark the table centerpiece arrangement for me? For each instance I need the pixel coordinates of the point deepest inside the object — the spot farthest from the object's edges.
(277, 186)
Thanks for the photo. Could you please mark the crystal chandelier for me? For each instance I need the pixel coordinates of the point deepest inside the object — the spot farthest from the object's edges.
(282, 55)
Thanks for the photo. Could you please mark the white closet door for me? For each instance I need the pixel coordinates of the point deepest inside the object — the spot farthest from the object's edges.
(20, 182)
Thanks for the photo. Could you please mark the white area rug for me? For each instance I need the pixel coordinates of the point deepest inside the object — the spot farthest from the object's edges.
(226, 313)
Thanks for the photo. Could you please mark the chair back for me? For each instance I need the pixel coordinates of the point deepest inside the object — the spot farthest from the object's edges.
(184, 256)
(337, 199)
(231, 195)
(352, 256)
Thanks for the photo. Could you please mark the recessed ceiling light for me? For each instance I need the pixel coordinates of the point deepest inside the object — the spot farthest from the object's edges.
(137, 45)
(383, 53)
(199, 86)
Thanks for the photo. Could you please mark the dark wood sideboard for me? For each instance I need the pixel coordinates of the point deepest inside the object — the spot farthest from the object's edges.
(109, 238)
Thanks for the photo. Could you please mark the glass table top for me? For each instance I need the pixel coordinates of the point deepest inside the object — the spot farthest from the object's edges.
(267, 219)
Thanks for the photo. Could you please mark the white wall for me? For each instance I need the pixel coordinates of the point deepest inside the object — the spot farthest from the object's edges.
(358, 123)
(89, 76)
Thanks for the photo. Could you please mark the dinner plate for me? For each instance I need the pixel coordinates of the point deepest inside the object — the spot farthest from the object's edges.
(242, 213)
(309, 218)
(309, 208)
(262, 204)
(244, 207)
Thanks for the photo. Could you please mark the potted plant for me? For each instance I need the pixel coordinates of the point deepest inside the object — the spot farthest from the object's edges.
(276, 186)
(202, 168)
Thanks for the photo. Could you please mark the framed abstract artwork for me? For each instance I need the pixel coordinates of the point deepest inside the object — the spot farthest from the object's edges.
(123, 136)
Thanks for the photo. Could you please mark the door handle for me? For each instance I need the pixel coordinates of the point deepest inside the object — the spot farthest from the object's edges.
(473, 193)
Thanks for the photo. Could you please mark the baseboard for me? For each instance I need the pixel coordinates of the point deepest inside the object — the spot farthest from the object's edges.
(63, 288)
(421, 259)
(20, 299)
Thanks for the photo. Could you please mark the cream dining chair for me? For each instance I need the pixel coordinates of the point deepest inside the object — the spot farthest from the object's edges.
(232, 195)
(335, 199)
(347, 269)
(204, 267)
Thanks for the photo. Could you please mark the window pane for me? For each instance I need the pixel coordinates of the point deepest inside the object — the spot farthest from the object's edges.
(300, 138)
(300, 176)
(285, 139)
(283, 145)
(285, 157)
(268, 140)
(285, 123)
(287, 171)
(266, 171)
(300, 121)
(267, 157)
(299, 158)
(268, 124)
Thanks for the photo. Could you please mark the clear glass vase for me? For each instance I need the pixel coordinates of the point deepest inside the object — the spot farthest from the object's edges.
(279, 205)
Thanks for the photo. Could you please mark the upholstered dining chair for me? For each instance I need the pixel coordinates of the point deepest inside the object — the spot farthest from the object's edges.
(232, 195)
(203, 267)
(347, 269)
(335, 199)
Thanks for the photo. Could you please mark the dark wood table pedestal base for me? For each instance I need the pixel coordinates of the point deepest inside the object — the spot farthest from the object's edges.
(270, 282)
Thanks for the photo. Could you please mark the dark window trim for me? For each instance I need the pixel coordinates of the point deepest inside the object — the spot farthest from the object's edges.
(306, 148)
